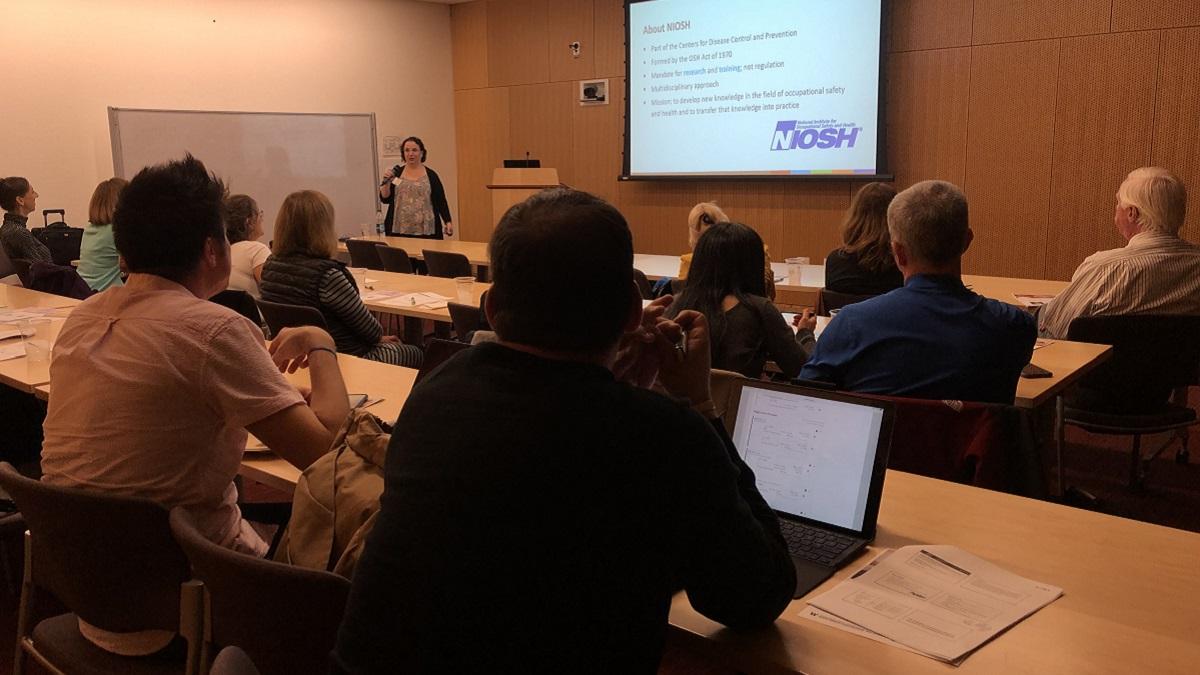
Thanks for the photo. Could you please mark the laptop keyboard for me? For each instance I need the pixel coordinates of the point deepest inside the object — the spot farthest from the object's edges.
(812, 543)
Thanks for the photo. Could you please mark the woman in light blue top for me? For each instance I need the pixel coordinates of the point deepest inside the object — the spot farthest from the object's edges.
(99, 264)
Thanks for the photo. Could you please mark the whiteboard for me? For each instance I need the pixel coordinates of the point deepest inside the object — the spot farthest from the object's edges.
(265, 155)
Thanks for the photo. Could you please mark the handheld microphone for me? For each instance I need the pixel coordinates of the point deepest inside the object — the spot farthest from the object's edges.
(395, 172)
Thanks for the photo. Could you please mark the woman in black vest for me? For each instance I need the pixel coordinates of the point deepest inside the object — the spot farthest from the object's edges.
(302, 271)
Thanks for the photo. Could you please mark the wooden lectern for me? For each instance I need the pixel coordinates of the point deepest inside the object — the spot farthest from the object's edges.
(511, 186)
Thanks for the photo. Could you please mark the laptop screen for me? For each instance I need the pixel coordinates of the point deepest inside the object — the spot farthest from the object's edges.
(813, 454)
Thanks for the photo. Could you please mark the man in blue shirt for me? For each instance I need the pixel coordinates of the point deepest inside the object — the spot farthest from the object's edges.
(933, 338)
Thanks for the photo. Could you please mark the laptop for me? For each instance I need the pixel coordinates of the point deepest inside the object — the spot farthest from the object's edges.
(819, 459)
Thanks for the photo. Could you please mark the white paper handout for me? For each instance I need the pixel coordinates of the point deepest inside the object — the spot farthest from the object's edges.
(14, 351)
(937, 600)
(1032, 299)
(431, 300)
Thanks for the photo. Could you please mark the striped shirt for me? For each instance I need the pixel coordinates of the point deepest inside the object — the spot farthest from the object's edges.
(1154, 273)
(355, 330)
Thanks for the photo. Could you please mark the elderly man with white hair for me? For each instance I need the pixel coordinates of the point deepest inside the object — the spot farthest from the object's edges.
(1156, 272)
(933, 338)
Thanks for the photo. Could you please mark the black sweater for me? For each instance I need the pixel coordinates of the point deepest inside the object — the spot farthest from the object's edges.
(538, 516)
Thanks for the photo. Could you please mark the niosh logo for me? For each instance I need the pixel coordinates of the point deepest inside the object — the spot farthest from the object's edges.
(793, 135)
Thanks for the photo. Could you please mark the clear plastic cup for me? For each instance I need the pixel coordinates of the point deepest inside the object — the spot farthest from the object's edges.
(794, 265)
(464, 286)
(36, 335)
(360, 276)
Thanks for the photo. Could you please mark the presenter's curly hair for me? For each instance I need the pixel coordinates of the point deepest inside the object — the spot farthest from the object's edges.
(420, 144)
(562, 273)
(165, 216)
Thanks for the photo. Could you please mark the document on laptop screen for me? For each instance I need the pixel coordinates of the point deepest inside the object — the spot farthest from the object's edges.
(811, 457)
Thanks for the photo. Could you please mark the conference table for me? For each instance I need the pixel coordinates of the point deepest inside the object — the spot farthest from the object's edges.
(376, 380)
(792, 290)
(1131, 593)
(19, 373)
(379, 283)
(1130, 588)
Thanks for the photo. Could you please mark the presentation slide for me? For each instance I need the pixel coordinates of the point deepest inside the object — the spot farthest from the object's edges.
(770, 88)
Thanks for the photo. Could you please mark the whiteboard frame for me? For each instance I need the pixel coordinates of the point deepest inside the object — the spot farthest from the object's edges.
(114, 133)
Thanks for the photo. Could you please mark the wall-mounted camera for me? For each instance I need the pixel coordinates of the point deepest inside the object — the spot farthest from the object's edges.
(593, 92)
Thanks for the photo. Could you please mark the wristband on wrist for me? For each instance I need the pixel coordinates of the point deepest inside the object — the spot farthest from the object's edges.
(706, 408)
(323, 349)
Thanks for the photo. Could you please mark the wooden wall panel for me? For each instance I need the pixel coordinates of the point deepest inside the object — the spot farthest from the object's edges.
(1039, 132)
(1102, 131)
(1140, 14)
(482, 137)
(609, 23)
(1177, 116)
(468, 34)
(598, 143)
(1009, 142)
(541, 123)
(517, 46)
(1009, 20)
(928, 24)
(927, 99)
(657, 214)
(810, 214)
(571, 21)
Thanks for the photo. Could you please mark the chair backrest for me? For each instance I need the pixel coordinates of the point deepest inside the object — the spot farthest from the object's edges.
(110, 559)
(394, 259)
(438, 352)
(233, 661)
(21, 267)
(1152, 355)
(643, 284)
(6, 265)
(446, 264)
(724, 384)
(63, 242)
(279, 315)
(987, 445)
(363, 253)
(240, 302)
(828, 300)
(466, 319)
(284, 617)
(58, 279)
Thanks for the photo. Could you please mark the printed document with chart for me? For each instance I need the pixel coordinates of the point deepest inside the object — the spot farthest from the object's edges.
(936, 600)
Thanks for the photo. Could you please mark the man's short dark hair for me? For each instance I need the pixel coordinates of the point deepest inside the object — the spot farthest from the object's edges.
(11, 188)
(562, 270)
(165, 215)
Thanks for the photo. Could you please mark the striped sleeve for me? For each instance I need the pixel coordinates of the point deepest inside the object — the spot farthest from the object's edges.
(340, 298)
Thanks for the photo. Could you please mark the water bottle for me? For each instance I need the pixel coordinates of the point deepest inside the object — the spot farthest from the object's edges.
(379, 227)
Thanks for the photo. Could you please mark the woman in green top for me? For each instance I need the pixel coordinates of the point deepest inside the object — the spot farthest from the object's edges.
(98, 260)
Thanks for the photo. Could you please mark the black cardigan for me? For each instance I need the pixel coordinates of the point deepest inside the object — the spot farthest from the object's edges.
(437, 196)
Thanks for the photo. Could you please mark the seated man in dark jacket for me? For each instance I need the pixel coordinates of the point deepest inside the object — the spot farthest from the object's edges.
(539, 513)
